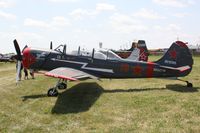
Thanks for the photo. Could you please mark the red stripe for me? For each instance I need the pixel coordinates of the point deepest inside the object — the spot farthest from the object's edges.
(124, 68)
(150, 66)
(60, 76)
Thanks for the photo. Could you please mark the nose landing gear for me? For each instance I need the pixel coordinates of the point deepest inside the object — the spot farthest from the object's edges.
(52, 92)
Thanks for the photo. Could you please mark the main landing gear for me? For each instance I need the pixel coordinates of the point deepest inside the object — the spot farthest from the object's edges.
(61, 85)
(190, 85)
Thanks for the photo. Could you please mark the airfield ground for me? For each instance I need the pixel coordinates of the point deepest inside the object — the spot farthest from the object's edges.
(133, 105)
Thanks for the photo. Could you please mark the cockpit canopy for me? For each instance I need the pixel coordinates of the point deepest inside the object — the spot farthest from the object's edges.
(61, 49)
(102, 54)
(99, 54)
(110, 55)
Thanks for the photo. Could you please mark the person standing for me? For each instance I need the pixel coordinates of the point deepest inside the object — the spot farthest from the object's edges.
(20, 71)
(25, 74)
(32, 73)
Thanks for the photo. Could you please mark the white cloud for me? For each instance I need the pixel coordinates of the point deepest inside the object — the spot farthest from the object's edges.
(56, 23)
(27, 35)
(173, 27)
(174, 3)
(5, 4)
(58, 1)
(80, 13)
(81, 31)
(100, 7)
(35, 23)
(168, 28)
(24, 38)
(126, 24)
(105, 7)
(181, 15)
(7, 15)
(147, 14)
(60, 21)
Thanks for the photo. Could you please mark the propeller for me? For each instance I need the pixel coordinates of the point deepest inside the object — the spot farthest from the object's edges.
(19, 59)
(51, 45)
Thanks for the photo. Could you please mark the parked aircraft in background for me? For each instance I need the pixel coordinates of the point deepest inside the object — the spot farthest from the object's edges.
(7, 57)
(177, 62)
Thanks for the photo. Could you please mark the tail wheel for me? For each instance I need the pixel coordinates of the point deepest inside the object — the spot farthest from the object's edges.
(189, 84)
(52, 92)
(62, 86)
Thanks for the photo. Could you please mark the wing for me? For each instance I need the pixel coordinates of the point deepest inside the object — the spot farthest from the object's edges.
(69, 74)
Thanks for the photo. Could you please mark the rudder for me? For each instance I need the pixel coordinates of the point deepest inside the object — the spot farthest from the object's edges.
(178, 55)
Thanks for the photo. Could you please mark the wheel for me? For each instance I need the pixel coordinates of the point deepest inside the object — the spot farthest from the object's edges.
(189, 84)
(62, 86)
(52, 92)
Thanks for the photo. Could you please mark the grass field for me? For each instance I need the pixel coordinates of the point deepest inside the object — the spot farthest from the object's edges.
(133, 105)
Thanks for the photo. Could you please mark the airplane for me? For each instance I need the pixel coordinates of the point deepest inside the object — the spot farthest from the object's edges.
(177, 62)
(7, 57)
(137, 52)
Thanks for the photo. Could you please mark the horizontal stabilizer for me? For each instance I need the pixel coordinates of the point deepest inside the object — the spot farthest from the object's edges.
(184, 68)
(181, 69)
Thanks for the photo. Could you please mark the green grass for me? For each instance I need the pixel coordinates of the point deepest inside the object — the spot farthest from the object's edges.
(132, 105)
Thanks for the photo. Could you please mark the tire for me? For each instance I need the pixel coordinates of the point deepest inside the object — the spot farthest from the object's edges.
(189, 85)
(52, 92)
(62, 86)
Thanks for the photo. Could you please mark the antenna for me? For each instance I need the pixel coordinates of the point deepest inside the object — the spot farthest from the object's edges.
(79, 48)
(64, 49)
(51, 45)
(100, 45)
(93, 53)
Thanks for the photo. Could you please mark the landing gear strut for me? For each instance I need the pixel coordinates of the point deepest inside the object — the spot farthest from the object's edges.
(53, 92)
(190, 85)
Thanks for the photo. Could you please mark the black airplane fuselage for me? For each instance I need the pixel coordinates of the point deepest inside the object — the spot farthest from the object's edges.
(102, 68)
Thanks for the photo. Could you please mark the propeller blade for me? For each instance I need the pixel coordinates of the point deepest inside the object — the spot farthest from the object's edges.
(24, 48)
(19, 59)
(18, 76)
(51, 45)
(18, 51)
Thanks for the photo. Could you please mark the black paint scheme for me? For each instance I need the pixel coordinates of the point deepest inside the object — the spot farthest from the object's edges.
(176, 62)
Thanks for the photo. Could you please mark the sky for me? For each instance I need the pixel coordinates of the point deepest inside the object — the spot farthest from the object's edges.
(85, 23)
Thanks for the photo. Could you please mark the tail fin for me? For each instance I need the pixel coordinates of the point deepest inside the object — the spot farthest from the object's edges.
(177, 56)
(143, 50)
